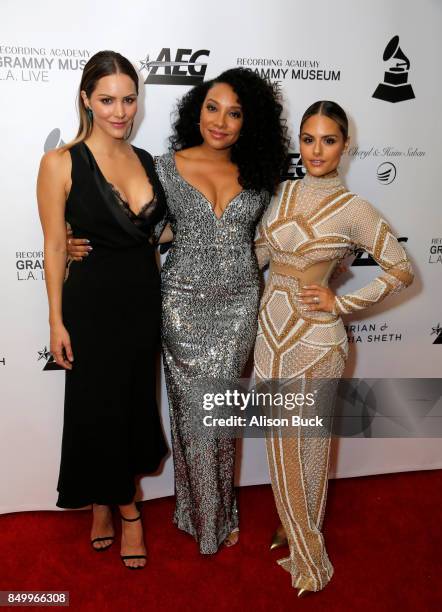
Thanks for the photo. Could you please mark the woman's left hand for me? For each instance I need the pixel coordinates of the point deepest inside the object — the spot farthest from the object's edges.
(316, 297)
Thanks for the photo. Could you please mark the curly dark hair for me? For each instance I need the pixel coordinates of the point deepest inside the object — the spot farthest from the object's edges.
(261, 151)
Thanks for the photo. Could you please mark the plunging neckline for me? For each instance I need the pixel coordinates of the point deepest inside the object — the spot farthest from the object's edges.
(115, 190)
(211, 205)
(125, 203)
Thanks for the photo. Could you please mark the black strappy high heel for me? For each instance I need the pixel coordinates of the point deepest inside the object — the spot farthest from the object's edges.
(124, 557)
(102, 539)
(101, 548)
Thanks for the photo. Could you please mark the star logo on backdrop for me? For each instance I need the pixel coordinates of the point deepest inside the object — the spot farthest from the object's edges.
(144, 63)
(50, 363)
(436, 330)
(44, 354)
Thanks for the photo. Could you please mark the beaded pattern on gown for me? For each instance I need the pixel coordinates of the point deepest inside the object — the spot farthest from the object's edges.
(310, 226)
(210, 294)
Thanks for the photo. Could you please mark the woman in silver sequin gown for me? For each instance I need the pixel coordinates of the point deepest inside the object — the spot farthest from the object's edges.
(210, 295)
(210, 280)
(229, 149)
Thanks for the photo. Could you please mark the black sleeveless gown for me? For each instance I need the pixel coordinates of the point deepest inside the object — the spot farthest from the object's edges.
(111, 309)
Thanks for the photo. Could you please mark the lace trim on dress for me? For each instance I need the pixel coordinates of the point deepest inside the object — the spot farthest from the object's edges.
(145, 211)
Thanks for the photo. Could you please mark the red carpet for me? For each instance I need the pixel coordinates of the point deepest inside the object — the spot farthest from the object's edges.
(383, 535)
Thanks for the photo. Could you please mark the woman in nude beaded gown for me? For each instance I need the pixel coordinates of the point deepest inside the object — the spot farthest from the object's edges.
(309, 227)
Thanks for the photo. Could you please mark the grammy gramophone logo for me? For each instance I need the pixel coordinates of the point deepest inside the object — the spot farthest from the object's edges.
(54, 140)
(395, 87)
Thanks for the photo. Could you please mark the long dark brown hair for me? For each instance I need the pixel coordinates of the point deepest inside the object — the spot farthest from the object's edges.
(102, 64)
(328, 109)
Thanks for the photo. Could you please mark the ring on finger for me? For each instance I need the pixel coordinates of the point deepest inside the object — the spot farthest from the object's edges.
(316, 299)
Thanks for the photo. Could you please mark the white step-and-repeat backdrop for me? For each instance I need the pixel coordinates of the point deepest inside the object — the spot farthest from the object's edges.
(379, 60)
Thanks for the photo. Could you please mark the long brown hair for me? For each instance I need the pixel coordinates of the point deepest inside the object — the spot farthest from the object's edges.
(329, 109)
(102, 64)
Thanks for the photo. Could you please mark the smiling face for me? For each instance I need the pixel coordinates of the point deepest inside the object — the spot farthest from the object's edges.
(321, 145)
(113, 103)
(221, 117)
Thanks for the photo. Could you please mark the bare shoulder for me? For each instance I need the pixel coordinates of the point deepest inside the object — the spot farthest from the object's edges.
(56, 163)
(54, 175)
(188, 154)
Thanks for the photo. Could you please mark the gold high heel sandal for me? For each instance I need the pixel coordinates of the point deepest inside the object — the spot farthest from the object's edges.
(303, 592)
(232, 538)
(279, 539)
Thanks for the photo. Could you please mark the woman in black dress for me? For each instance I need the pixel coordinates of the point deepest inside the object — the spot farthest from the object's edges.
(107, 312)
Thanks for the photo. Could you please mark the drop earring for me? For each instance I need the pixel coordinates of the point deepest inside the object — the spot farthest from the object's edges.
(127, 136)
(90, 114)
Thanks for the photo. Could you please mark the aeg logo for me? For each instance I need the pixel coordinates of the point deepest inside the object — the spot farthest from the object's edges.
(184, 69)
(364, 259)
(295, 168)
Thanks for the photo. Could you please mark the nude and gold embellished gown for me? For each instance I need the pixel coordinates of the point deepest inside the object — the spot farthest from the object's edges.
(210, 299)
(309, 226)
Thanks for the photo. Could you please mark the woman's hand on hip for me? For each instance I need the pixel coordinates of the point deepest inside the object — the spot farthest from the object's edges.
(317, 298)
(77, 248)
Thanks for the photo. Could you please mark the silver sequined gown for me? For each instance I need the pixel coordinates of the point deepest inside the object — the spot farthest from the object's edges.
(210, 296)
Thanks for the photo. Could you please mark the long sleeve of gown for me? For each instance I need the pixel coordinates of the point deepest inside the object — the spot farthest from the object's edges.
(370, 232)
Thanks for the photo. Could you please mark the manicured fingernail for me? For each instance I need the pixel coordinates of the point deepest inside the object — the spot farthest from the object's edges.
(88, 241)
(90, 248)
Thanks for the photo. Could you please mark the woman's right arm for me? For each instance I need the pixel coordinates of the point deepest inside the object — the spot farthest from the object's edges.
(53, 178)
(77, 248)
